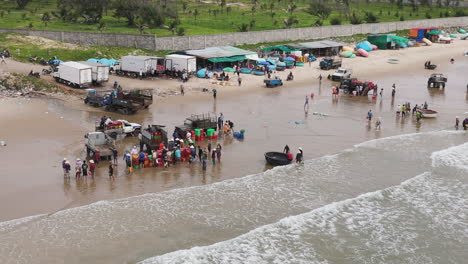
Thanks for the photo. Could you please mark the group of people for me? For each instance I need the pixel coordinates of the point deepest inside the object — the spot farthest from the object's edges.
(464, 123)
(177, 150)
(405, 109)
(299, 154)
(226, 127)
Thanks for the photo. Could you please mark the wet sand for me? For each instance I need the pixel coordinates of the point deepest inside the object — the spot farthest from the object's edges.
(31, 178)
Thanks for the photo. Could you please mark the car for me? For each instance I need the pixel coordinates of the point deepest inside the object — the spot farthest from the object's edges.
(341, 74)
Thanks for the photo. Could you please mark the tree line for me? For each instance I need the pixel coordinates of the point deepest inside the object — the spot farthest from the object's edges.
(137, 13)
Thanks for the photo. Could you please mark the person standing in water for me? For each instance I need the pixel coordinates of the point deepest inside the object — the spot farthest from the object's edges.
(213, 157)
(378, 123)
(299, 155)
(111, 171)
(214, 93)
(457, 122)
(286, 149)
(306, 104)
(84, 169)
(369, 115)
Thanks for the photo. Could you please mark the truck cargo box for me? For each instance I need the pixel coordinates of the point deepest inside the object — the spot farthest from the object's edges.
(100, 72)
(181, 62)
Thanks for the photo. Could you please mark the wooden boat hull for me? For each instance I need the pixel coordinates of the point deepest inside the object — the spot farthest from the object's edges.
(426, 113)
(277, 158)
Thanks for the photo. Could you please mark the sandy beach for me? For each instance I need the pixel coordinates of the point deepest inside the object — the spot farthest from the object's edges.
(39, 132)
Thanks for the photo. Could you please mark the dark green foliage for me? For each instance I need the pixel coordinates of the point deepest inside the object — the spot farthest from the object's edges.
(336, 20)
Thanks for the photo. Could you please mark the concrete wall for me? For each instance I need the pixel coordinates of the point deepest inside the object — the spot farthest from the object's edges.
(231, 39)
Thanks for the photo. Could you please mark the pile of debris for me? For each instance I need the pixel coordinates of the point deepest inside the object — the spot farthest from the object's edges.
(16, 85)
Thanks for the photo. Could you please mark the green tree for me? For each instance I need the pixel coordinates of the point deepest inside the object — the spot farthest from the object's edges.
(31, 25)
(291, 8)
(128, 9)
(290, 21)
(180, 31)
(184, 6)
(173, 25)
(45, 18)
(21, 4)
(243, 27)
(320, 9)
(195, 13)
(253, 9)
(141, 25)
(355, 19)
(272, 6)
(370, 17)
(101, 26)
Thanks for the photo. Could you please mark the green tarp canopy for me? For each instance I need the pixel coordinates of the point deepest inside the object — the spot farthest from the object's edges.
(280, 47)
(400, 40)
(379, 40)
(435, 32)
(228, 59)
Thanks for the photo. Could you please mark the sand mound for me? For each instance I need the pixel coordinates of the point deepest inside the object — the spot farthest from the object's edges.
(43, 42)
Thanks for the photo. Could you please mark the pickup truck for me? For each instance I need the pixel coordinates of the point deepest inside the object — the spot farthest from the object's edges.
(204, 121)
(99, 141)
(119, 127)
(341, 74)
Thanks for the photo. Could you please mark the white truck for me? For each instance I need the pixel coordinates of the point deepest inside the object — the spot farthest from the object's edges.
(74, 74)
(99, 141)
(181, 62)
(341, 74)
(132, 66)
(100, 72)
(119, 127)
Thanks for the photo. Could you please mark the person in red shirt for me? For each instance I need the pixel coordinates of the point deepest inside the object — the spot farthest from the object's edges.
(92, 167)
(97, 157)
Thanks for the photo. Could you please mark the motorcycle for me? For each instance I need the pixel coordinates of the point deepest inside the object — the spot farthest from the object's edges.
(33, 59)
(34, 74)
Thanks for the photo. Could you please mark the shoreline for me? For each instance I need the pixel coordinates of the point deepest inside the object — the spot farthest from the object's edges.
(374, 66)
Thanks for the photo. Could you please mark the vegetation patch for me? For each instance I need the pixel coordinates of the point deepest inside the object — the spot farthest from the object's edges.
(201, 17)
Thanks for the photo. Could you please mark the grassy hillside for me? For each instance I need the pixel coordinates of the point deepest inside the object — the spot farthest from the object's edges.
(22, 47)
(213, 18)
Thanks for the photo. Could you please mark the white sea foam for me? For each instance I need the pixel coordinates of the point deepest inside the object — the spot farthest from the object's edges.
(401, 224)
(451, 157)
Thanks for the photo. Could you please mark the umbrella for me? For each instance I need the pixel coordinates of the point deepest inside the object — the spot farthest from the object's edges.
(263, 63)
(272, 62)
(228, 69)
(289, 59)
(281, 64)
(93, 60)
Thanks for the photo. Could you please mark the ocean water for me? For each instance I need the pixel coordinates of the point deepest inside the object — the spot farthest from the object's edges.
(422, 220)
(393, 200)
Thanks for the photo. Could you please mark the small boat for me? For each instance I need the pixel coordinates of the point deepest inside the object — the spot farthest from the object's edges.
(246, 70)
(427, 113)
(271, 83)
(299, 64)
(277, 158)
(431, 67)
(255, 72)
